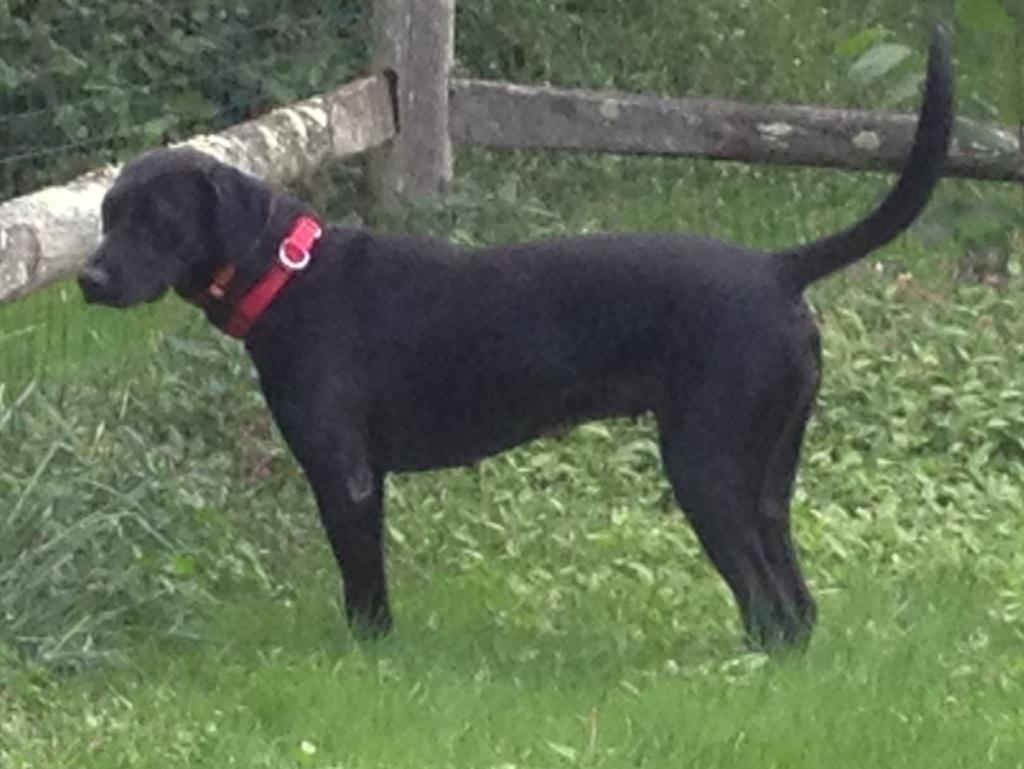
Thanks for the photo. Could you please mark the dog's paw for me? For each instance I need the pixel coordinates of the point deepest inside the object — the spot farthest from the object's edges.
(370, 625)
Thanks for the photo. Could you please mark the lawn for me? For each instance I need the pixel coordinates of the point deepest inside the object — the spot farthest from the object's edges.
(607, 673)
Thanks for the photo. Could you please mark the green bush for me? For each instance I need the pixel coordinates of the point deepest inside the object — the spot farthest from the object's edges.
(83, 83)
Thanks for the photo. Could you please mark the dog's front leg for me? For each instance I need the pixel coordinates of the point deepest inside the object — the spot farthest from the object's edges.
(349, 496)
(348, 488)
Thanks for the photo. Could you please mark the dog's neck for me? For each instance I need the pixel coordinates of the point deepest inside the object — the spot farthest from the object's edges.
(219, 283)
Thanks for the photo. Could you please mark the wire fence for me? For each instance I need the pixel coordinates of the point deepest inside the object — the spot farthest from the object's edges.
(80, 88)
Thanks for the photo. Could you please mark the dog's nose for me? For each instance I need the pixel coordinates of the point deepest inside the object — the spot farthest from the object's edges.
(95, 275)
(94, 281)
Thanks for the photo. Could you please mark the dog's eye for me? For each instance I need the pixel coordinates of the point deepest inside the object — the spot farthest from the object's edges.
(104, 217)
(110, 214)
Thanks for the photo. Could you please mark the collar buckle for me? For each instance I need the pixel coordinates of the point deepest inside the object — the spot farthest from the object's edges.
(294, 251)
(292, 257)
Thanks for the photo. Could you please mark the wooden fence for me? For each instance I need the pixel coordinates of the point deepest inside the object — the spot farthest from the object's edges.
(409, 112)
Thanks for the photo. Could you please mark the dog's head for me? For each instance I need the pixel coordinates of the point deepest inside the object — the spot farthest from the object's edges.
(171, 218)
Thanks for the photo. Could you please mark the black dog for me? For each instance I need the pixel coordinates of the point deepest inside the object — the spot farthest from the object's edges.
(400, 353)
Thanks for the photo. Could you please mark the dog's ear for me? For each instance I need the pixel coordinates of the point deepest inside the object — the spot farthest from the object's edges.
(242, 205)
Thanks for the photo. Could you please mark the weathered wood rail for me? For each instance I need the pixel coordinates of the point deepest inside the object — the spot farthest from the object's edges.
(507, 115)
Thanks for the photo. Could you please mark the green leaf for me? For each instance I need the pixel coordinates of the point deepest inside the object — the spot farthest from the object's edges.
(643, 572)
(907, 90)
(154, 129)
(191, 105)
(879, 60)
(183, 565)
(857, 44)
(569, 754)
(65, 62)
(984, 15)
(11, 77)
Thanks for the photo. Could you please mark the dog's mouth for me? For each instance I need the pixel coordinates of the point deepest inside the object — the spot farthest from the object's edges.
(100, 286)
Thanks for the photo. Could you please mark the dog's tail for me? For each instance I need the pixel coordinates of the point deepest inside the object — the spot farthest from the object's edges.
(802, 265)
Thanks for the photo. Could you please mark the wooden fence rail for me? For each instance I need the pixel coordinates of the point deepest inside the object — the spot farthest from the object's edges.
(506, 115)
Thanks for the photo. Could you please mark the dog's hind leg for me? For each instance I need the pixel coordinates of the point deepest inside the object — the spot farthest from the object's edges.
(731, 465)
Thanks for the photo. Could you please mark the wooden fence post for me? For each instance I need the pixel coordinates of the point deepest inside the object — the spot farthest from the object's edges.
(415, 41)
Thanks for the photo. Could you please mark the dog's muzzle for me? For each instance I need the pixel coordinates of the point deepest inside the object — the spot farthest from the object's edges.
(97, 286)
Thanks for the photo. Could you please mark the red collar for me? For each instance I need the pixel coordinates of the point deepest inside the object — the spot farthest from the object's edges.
(293, 257)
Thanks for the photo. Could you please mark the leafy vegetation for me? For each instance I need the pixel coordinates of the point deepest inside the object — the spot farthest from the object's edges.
(166, 595)
(84, 83)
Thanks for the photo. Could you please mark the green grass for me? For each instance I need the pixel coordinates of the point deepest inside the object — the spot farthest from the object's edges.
(912, 676)
(53, 335)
